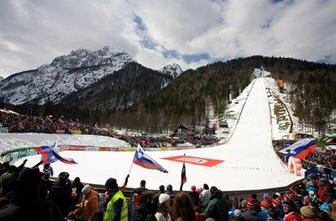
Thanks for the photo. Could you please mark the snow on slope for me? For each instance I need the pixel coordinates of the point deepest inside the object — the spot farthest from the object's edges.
(249, 162)
(279, 134)
(16, 140)
(65, 74)
(173, 70)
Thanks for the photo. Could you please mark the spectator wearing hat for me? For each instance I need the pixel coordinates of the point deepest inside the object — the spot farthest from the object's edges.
(291, 213)
(163, 213)
(265, 205)
(116, 208)
(217, 208)
(309, 213)
(252, 208)
(183, 208)
(89, 204)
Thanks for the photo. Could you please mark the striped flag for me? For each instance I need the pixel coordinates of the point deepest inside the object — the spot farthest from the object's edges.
(302, 148)
(49, 154)
(143, 160)
(183, 175)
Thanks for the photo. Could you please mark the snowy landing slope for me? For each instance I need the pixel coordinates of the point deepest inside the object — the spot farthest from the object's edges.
(248, 159)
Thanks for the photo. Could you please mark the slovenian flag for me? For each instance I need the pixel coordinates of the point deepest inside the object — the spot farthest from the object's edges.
(143, 160)
(302, 148)
(49, 154)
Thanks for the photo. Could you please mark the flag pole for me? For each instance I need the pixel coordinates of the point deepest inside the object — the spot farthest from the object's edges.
(129, 171)
(182, 183)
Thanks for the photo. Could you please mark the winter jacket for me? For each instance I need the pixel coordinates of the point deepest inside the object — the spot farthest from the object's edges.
(61, 195)
(216, 208)
(89, 205)
(160, 217)
(251, 216)
(293, 216)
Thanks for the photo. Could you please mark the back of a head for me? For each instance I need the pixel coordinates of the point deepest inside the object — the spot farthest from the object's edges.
(162, 188)
(143, 183)
(205, 186)
(213, 190)
(63, 176)
(169, 188)
(76, 180)
(183, 207)
(111, 184)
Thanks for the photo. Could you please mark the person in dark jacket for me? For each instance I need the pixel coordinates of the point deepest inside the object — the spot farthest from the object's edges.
(136, 199)
(147, 207)
(28, 204)
(252, 208)
(76, 188)
(194, 196)
(61, 193)
(216, 208)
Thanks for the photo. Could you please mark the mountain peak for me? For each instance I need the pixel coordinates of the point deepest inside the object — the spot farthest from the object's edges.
(64, 75)
(86, 58)
(173, 70)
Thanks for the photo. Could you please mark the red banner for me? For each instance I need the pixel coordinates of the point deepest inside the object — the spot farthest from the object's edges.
(195, 160)
(76, 148)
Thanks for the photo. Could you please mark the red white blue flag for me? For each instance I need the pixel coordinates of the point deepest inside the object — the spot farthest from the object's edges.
(183, 175)
(302, 148)
(143, 160)
(49, 154)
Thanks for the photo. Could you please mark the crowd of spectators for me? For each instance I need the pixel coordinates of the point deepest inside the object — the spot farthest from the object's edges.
(323, 157)
(28, 194)
(326, 157)
(17, 123)
(165, 141)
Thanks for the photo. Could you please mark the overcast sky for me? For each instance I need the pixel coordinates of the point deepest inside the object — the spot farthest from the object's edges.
(157, 32)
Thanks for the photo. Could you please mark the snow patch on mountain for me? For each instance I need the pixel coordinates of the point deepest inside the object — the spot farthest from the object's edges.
(64, 75)
(173, 70)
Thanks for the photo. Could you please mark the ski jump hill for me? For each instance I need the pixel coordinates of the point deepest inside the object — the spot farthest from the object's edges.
(246, 162)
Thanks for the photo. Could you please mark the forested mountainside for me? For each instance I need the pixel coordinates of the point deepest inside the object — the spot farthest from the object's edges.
(187, 98)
